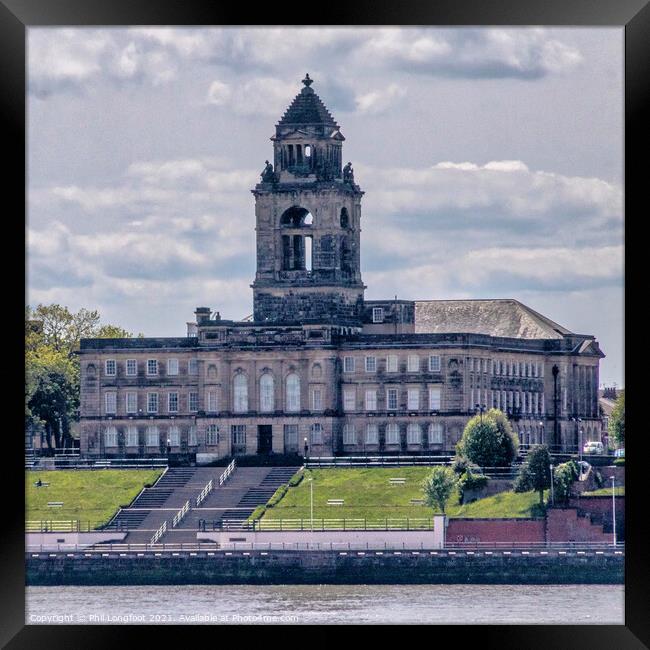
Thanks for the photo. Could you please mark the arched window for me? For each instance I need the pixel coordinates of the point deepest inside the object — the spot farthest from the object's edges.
(294, 217)
(240, 393)
(345, 218)
(293, 393)
(267, 397)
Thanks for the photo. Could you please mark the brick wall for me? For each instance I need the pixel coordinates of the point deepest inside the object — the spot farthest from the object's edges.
(567, 525)
(495, 530)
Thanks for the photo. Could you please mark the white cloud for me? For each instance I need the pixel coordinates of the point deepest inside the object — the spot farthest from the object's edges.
(378, 101)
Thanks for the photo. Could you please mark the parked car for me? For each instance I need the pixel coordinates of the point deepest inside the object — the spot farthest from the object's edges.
(619, 453)
(593, 447)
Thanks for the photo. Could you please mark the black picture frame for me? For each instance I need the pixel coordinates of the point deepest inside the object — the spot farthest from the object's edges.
(18, 15)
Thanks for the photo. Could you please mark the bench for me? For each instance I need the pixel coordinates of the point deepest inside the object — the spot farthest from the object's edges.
(397, 481)
(335, 502)
(55, 504)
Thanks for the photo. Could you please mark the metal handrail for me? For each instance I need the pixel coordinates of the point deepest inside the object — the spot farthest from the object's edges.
(178, 517)
(204, 493)
(226, 475)
(159, 533)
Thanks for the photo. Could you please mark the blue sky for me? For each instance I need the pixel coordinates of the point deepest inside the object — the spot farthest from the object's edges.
(491, 161)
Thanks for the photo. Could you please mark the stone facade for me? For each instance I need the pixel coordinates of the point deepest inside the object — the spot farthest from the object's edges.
(320, 367)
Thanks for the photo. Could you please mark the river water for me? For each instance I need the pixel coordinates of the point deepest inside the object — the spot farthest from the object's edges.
(326, 604)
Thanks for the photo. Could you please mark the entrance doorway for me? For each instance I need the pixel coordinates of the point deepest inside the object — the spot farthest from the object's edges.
(264, 438)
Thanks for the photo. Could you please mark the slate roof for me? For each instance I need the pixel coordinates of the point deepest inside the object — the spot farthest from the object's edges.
(505, 318)
(307, 108)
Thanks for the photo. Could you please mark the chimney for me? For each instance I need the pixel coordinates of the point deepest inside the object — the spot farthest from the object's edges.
(202, 314)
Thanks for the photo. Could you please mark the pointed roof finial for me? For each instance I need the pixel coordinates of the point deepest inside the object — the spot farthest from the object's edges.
(307, 81)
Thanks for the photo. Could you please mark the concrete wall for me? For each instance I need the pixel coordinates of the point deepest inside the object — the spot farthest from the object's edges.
(61, 540)
(380, 539)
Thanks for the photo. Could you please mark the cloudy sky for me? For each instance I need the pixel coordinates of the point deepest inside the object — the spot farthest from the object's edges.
(491, 161)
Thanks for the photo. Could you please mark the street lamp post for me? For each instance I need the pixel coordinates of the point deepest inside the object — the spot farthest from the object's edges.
(541, 432)
(480, 408)
(311, 503)
(552, 491)
(613, 507)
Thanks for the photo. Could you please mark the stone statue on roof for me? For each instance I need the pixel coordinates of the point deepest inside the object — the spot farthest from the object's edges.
(268, 175)
(348, 174)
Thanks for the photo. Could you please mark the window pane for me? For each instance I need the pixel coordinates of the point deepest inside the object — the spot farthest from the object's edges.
(240, 384)
(293, 393)
(131, 367)
(434, 399)
(267, 395)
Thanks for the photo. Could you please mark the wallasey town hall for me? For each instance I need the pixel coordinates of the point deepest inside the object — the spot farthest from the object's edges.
(317, 365)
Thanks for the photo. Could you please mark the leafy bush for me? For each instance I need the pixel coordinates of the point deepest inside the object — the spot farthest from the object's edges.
(564, 476)
(277, 496)
(257, 513)
(489, 440)
(438, 487)
(535, 473)
(619, 461)
(296, 480)
(470, 481)
(460, 465)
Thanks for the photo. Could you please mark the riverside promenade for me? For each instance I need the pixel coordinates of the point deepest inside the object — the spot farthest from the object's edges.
(254, 565)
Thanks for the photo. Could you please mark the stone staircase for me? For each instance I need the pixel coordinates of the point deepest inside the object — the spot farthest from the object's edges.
(230, 504)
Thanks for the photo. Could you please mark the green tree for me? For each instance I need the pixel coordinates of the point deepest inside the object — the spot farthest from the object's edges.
(438, 487)
(488, 440)
(535, 473)
(616, 426)
(564, 476)
(52, 337)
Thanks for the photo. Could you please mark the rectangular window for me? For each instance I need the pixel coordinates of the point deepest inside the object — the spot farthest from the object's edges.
(152, 367)
(317, 399)
(110, 437)
(535, 403)
(212, 401)
(349, 399)
(516, 405)
(291, 435)
(152, 402)
(434, 398)
(191, 436)
(193, 402)
(131, 367)
(172, 402)
(541, 404)
(132, 436)
(110, 367)
(238, 432)
(392, 434)
(541, 369)
(435, 433)
(348, 364)
(193, 367)
(372, 434)
(413, 363)
(391, 399)
(153, 438)
(371, 364)
(413, 397)
(316, 433)
(111, 402)
(172, 366)
(212, 435)
(131, 402)
(349, 435)
(413, 434)
(371, 400)
(434, 363)
(391, 363)
(175, 436)
(377, 314)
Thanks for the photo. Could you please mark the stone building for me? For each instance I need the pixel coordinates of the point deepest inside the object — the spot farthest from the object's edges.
(320, 366)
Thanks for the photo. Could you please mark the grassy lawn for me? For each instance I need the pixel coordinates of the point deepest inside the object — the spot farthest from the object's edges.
(606, 492)
(368, 494)
(87, 495)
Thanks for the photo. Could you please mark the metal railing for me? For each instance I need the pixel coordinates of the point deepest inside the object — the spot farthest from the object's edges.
(62, 526)
(321, 524)
(226, 475)
(204, 493)
(159, 533)
(178, 517)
